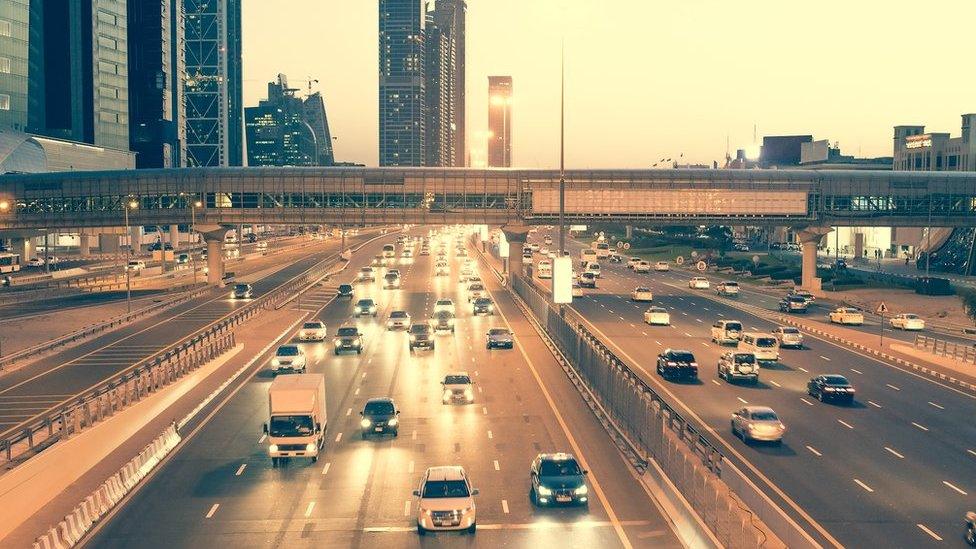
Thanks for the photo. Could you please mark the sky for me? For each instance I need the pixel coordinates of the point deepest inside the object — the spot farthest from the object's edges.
(648, 79)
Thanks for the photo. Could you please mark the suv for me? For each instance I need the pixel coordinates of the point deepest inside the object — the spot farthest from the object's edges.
(734, 365)
(728, 289)
(420, 337)
(793, 304)
(475, 291)
(587, 280)
(288, 358)
(391, 281)
(242, 291)
(642, 267)
(457, 388)
(699, 283)
(726, 331)
(365, 307)
(348, 338)
(677, 363)
(344, 291)
(558, 479)
(379, 416)
(499, 338)
(445, 305)
(443, 320)
(482, 305)
(445, 500)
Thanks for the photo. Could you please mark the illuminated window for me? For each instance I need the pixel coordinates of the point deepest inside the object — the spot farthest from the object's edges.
(5, 65)
(4, 102)
(5, 29)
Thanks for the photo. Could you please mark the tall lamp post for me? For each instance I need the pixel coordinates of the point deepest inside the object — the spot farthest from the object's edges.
(130, 204)
(193, 230)
(562, 148)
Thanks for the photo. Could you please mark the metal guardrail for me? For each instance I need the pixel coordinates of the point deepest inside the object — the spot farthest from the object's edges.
(949, 349)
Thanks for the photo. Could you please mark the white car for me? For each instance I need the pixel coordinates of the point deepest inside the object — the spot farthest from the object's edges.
(846, 315)
(632, 262)
(698, 283)
(475, 291)
(757, 423)
(398, 320)
(907, 321)
(445, 501)
(442, 269)
(312, 331)
(457, 388)
(35, 262)
(445, 305)
(135, 265)
(288, 358)
(788, 336)
(657, 316)
(642, 267)
(662, 266)
(642, 293)
(728, 289)
(544, 268)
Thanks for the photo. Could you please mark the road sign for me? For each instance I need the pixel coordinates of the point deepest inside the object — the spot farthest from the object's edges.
(680, 260)
(694, 254)
(701, 265)
(620, 245)
(882, 308)
(626, 245)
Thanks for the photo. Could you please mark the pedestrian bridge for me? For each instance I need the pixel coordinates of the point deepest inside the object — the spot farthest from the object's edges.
(365, 196)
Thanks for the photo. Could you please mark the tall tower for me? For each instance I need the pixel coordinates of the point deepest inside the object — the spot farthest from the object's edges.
(444, 85)
(14, 29)
(401, 82)
(213, 88)
(500, 121)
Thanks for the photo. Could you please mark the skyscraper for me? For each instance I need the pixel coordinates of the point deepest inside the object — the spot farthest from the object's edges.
(157, 114)
(285, 130)
(213, 88)
(401, 83)
(78, 71)
(444, 85)
(14, 19)
(500, 121)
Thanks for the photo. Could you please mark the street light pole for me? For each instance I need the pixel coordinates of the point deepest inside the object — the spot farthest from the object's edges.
(128, 254)
(193, 230)
(562, 148)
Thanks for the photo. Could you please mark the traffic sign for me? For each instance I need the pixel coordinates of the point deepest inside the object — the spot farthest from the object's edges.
(701, 265)
(680, 260)
(694, 254)
(882, 308)
(626, 245)
(620, 245)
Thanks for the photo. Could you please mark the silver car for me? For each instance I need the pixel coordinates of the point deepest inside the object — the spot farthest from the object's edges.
(757, 423)
(789, 336)
(500, 338)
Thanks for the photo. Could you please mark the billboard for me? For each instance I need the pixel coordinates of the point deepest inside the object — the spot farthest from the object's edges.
(562, 280)
(690, 202)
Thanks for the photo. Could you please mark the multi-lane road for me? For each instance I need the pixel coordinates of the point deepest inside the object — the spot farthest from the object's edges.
(896, 468)
(220, 489)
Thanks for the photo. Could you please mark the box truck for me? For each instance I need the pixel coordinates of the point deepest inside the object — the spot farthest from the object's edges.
(297, 417)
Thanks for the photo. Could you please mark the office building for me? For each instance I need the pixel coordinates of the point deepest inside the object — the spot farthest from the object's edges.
(782, 151)
(820, 155)
(14, 58)
(444, 83)
(500, 121)
(915, 149)
(401, 82)
(213, 88)
(287, 130)
(157, 115)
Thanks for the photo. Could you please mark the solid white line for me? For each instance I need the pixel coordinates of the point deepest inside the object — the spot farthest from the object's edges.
(894, 453)
(856, 371)
(973, 452)
(807, 402)
(802, 369)
(774, 383)
(240, 470)
(497, 468)
(263, 437)
(716, 382)
(308, 510)
(212, 510)
(845, 424)
(742, 400)
(937, 405)
(865, 486)
(892, 386)
(406, 508)
(698, 319)
(929, 532)
(825, 358)
(922, 427)
(338, 437)
(505, 506)
(954, 487)
(325, 469)
(814, 450)
(490, 435)
(875, 404)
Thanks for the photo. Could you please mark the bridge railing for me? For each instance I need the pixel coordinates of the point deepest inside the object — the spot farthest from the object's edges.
(965, 353)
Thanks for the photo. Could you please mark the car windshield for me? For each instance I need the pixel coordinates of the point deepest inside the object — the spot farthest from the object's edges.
(790, 331)
(733, 326)
(498, 331)
(765, 342)
(419, 329)
(482, 301)
(444, 302)
(445, 489)
(290, 426)
(910, 317)
(476, 287)
(241, 287)
(365, 302)
(656, 310)
(379, 407)
(392, 276)
(836, 380)
(457, 380)
(312, 325)
(345, 288)
(347, 332)
(560, 468)
(765, 415)
(642, 290)
(587, 275)
(745, 358)
(289, 350)
(797, 299)
(398, 314)
(731, 284)
(682, 357)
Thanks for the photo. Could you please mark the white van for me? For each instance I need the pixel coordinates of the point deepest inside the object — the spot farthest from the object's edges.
(764, 346)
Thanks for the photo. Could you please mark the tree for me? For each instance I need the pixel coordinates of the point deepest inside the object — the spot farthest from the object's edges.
(968, 298)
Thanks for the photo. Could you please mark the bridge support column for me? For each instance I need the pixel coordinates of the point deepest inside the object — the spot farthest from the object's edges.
(810, 238)
(84, 245)
(23, 248)
(214, 236)
(174, 236)
(516, 235)
(108, 243)
(858, 245)
(135, 239)
(629, 232)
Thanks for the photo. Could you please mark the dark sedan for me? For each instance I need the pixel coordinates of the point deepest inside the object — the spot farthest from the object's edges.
(677, 363)
(557, 479)
(379, 417)
(831, 387)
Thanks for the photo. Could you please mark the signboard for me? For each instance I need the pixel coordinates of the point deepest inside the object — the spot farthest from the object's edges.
(694, 253)
(620, 245)
(882, 308)
(680, 260)
(578, 228)
(562, 280)
(503, 248)
(626, 245)
(701, 265)
(609, 197)
(483, 229)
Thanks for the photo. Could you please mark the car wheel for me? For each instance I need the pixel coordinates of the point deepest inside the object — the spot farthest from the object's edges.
(971, 535)
(359, 351)
(274, 463)
(315, 458)
(488, 347)
(337, 352)
(363, 435)
(472, 528)
(659, 371)
(420, 530)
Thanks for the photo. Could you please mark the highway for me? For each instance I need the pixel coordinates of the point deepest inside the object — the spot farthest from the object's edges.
(52, 379)
(220, 489)
(896, 468)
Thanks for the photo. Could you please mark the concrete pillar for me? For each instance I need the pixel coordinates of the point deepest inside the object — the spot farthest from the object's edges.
(174, 236)
(22, 247)
(810, 238)
(84, 245)
(629, 232)
(215, 260)
(108, 243)
(135, 239)
(858, 245)
(516, 235)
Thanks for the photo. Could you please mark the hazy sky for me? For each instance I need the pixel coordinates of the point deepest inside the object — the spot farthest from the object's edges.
(647, 79)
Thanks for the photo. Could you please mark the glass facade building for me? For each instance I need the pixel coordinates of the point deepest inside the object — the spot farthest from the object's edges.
(285, 130)
(14, 19)
(401, 83)
(500, 121)
(444, 85)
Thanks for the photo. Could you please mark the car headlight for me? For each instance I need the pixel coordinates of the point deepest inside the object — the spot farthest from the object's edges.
(273, 448)
(543, 491)
(446, 395)
(393, 422)
(467, 510)
(468, 394)
(310, 447)
(582, 490)
(372, 309)
(491, 307)
(413, 338)
(365, 423)
(275, 362)
(337, 342)
(389, 323)
(357, 341)
(232, 295)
